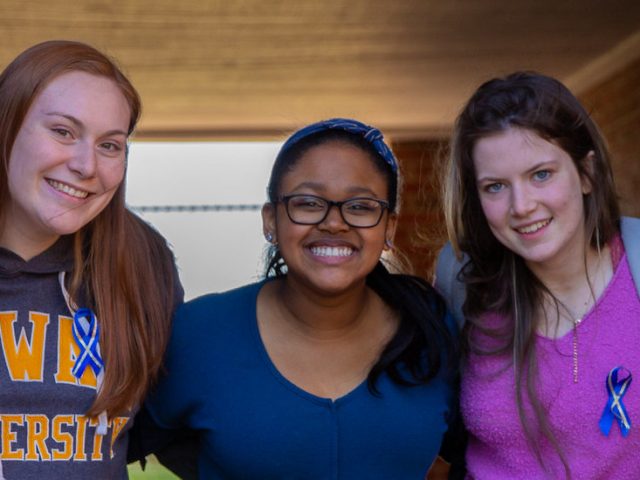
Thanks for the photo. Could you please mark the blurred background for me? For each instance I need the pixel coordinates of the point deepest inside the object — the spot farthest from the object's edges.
(228, 80)
(224, 82)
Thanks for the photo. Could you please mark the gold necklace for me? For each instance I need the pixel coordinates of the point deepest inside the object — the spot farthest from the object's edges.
(591, 302)
(586, 307)
(574, 332)
(576, 322)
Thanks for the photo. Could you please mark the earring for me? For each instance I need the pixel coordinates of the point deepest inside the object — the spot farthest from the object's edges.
(268, 237)
(388, 243)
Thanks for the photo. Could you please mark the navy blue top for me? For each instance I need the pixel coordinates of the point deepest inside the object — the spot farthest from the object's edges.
(254, 423)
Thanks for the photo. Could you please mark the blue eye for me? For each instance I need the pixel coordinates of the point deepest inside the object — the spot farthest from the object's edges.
(542, 175)
(493, 187)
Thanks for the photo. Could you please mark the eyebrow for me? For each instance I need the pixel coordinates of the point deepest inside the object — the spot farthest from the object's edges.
(537, 166)
(319, 186)
(487, 179)
(79, 124)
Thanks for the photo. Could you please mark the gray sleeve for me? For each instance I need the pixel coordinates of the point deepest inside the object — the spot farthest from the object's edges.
(447, 283)
(630, 230)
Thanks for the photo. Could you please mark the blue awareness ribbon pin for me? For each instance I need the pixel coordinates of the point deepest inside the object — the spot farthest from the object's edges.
(618, 381)
(86, 333)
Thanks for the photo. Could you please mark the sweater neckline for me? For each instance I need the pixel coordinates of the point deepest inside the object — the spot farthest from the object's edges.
(262, 349)
(587, 317)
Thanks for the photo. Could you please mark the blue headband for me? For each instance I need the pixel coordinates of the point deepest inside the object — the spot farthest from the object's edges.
(370, 134)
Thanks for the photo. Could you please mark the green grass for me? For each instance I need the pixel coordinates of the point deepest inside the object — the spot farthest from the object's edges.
(153, 471)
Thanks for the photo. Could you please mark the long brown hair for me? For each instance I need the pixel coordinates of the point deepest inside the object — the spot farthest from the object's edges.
(497, 280)
(123, 268)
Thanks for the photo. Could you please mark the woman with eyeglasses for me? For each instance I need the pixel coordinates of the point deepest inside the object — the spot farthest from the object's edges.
(332, 367)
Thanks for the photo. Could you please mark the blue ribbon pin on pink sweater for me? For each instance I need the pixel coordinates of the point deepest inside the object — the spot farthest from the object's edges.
(617, 384)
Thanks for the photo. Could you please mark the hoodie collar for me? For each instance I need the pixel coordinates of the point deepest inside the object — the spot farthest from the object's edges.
(57, 258)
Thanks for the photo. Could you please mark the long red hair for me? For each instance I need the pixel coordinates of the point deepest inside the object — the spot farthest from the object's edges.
(123, 268)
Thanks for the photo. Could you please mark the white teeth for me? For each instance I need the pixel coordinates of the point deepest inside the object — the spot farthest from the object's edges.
(533, 228)
(332, 251)
(62, 187)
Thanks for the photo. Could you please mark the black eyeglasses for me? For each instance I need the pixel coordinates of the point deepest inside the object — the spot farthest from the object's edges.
(359, 212)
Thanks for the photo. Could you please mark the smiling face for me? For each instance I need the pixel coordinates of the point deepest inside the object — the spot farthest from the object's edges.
(67, 161)
(532, 197)
(331, 256)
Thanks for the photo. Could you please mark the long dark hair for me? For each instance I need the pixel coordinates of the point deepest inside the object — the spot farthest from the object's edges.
(122, 265)
(497, 280)
(422, 342)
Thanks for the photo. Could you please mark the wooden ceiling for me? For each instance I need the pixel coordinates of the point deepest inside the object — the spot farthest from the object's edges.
(259, 68)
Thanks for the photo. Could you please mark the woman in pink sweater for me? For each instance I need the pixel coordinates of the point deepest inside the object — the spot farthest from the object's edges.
(544, 282)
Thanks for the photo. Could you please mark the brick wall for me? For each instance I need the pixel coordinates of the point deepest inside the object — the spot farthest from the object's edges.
(615, 106)
(421, 230)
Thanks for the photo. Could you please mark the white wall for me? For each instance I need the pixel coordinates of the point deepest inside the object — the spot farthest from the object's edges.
(215, 250)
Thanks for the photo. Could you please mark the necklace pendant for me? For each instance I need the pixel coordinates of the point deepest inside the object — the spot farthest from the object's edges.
(576, 322)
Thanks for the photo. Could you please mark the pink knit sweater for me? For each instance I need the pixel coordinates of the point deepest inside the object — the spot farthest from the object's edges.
(608, 336)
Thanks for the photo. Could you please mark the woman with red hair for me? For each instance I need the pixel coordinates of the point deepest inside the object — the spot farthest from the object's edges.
(86, 288)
